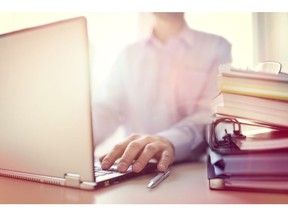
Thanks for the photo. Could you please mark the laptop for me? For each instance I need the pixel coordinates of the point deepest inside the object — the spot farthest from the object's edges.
(45, 108)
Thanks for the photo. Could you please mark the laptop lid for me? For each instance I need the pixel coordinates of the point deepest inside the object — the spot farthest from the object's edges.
(45, 110)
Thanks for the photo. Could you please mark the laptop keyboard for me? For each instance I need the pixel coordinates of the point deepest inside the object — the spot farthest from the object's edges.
(98, 171)
(112, 176)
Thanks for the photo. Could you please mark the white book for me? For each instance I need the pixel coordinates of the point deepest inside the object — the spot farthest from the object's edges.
(228, 70)
(251, 103)
(275, 139)
(261, 117)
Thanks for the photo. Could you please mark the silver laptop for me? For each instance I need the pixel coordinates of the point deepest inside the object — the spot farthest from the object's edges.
(45, 109)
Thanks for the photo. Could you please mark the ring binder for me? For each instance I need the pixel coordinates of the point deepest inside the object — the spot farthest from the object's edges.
(228, 143)
(228, 140)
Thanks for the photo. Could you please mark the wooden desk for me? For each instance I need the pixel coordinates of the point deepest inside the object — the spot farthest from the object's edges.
(186, 184)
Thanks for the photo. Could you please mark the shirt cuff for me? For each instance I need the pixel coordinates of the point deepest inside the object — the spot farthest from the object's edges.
(184, 139)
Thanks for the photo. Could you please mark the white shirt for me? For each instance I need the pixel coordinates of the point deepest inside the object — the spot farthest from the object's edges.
(163, 89)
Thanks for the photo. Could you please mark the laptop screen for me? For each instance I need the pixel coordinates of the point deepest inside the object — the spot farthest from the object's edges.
(45, 116)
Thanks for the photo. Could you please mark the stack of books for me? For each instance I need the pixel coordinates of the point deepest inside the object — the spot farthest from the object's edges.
(248, 136)
(258, 96)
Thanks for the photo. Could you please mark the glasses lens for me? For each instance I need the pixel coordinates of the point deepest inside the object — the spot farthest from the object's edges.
(269, 67)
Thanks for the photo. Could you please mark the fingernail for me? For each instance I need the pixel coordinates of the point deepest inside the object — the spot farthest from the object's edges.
(136, 167)
(161, 167)
(122, 167)
(105, 164)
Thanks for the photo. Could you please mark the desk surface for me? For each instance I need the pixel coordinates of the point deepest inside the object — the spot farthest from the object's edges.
(186, 184)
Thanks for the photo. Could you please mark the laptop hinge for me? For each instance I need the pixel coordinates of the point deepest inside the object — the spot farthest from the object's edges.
(72, 180)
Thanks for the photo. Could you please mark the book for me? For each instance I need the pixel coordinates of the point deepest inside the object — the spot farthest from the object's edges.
(261, 117)
(228, 70)
(274, 139)
(251, 103)
(258, 88)
(253, 83)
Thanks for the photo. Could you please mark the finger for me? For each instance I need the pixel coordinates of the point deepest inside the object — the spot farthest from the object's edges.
(166, 159)
(102, 157)
(132, 152)
(149, 152)
(116, 152)
(109, 159)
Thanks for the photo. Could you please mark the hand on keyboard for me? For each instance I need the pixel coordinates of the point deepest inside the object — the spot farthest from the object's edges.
(141, 149)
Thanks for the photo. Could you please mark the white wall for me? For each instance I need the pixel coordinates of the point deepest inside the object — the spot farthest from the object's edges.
(235, 27)
(271, 34)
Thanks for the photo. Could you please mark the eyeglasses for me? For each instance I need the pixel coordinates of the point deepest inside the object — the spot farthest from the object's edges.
(269, 67)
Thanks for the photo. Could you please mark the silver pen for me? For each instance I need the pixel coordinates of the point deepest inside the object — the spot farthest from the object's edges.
(158, 179)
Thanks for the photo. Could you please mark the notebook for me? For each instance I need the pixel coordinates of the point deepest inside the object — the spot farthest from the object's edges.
(45, 107)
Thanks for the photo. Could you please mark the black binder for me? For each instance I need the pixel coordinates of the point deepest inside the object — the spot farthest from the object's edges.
(230, 168)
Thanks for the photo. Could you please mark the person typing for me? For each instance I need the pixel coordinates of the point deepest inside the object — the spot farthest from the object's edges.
(160, 90)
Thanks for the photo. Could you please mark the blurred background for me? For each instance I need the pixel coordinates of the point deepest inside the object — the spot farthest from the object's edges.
(254, 36)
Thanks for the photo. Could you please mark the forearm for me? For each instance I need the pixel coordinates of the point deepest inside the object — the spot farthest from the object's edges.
(187, 137)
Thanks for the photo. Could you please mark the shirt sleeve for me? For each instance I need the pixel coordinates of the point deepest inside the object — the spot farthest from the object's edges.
(188, 135)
